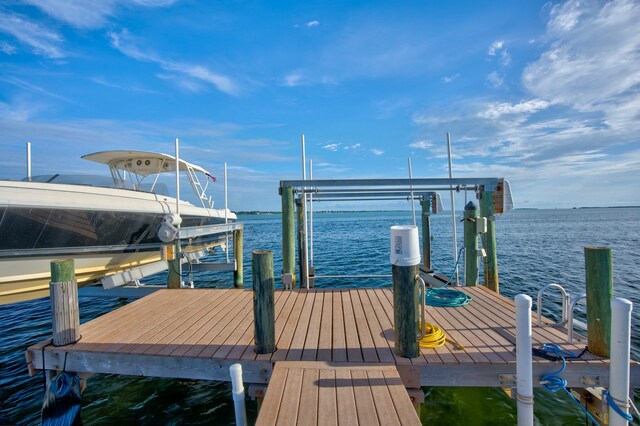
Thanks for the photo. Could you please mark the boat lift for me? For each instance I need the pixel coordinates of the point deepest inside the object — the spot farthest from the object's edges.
(496, 191)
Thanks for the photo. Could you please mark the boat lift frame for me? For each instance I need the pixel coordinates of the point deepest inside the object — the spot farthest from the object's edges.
(315, 190)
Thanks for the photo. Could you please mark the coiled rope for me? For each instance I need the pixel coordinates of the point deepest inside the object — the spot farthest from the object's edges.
(554, 382)
(446, 297)
(434, 337)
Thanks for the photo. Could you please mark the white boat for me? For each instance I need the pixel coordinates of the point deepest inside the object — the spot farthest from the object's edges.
(106, 230)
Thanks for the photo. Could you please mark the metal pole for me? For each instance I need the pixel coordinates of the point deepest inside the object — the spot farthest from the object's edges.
(311, 214)
(178, 254)
(29, 161)
(413, 205)
(524, 367)
(226, 215)
(305, 249)
(620, 359)
(453, 213)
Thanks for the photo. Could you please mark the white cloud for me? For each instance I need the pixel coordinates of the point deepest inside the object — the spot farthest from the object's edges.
(332, 146)
(353, 147)
(495, 80)
(188, 76)
(495, 47)
(41, 40)
(497, 110)
(450, 78)
(8, 48)
(90, 14)
(311, 24)
(592, 63)
(292, 79)
(377, 152)
(422, 144)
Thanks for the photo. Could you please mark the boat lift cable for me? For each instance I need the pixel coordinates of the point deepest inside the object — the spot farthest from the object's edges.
(554, 382)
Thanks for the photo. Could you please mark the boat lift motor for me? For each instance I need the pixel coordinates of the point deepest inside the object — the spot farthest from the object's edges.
(167, 230)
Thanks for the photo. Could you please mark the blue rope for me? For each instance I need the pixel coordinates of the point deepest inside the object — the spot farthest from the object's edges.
(446, 297)
(554, 382)
(611, 403)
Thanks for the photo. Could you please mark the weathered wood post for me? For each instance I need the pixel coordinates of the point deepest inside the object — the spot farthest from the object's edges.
(302, 243)
(470, 244)
(238, 276)
(263, 301)
(174, 279)
(426, 231)
(405, 267)
(65, 312)
(489, 242)
(599, 277)
(288, 236)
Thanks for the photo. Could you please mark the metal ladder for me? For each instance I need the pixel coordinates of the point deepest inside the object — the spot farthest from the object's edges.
(568, 307)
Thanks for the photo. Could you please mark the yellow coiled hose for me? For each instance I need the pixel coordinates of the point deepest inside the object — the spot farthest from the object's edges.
(434, 337)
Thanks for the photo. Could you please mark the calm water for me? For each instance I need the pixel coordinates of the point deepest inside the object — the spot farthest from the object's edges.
(535, 247)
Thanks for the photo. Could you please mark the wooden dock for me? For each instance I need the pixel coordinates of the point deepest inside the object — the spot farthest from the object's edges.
(199, 333)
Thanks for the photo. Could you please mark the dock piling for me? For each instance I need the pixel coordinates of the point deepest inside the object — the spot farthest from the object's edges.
(599, 279)
(288, 234)
(491, 280)
(65, 312)
(174, 280)
(426, 232)
(238, 276)
(263, 301)
(470, 244)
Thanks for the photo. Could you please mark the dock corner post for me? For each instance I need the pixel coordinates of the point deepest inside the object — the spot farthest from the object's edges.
(426, 231)
(288, 234)
(491, 280)
(263, 301)
(302, 243)
(470, 244)
(620, 358)
(238, 276)
(65, 312)
(524, 366)
(405, 310)
(174, 280)
(599, 281)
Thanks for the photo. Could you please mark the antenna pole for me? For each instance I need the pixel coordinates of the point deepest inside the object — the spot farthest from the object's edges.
(413, 205)
(453, 213)
(226, 215)
(29, 161)
(178, 251)
(305, 249)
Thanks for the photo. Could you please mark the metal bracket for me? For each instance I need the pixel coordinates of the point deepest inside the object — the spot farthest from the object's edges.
(507, 380)
(590, 381)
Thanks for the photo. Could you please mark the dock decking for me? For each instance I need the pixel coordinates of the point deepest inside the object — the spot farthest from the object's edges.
(199, 333)
(318, 393)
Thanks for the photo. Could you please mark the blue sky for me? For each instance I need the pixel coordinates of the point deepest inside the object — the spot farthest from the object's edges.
(545, 94)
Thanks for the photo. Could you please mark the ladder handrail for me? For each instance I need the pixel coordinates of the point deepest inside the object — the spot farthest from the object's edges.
(565, 304)
(574, 301)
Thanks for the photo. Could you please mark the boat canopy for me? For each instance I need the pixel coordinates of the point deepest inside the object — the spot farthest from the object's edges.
(143, 163)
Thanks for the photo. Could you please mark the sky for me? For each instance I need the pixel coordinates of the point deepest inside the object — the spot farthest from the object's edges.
(544, 94)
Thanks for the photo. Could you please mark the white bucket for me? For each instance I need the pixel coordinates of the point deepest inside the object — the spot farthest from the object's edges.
(405, 246)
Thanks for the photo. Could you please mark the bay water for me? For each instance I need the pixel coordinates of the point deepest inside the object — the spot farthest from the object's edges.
(535, 248)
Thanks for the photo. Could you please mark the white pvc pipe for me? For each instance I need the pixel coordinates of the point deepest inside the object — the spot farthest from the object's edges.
(237, 390)
(620, 358)
(178, 206)
(226, 215)
(524, 367)
(29, 161)
(453, 213)
(413, 204)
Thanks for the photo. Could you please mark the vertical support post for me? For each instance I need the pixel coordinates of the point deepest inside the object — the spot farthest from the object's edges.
(620, 359)
(238, 276)
(302, 243)
(599, 277)
(174, 279)
(426, 231)
(65, 312)
(263, 301)
(288, 234)
(405, 310)
(29, 161)
(491, 280)
(524, 367)
(470, 244)
(237, 390)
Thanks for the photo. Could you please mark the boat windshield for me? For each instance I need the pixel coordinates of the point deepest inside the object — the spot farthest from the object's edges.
(99, 181)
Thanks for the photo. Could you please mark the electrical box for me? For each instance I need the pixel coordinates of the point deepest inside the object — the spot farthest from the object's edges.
(168, 252)
(481, 225)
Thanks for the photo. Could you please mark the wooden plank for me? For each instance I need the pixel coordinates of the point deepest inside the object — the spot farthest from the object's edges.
(310, 351)
(381, 344)
(326, 327)
(271, 404)
(308, 408)
(365, 405)
(382, 399)
(229, 335)
(367, 346)
(347, 411)
(354, 353)
(247, 339)
(302, 328)
(327, 398)
(284, 305)
(339, 340)
(284, 343)
(290, 403)
(403, 406)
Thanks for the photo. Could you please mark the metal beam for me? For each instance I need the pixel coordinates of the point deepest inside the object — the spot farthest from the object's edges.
(196, 231)
(445, 183)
